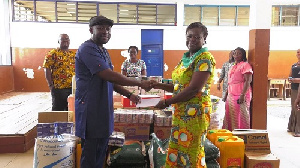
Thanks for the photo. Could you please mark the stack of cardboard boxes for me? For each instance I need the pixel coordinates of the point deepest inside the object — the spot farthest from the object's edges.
(257, 148)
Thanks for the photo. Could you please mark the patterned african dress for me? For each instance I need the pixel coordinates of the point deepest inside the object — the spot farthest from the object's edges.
(191, 118)
(133, 69)
(224, 75)
(237, 116)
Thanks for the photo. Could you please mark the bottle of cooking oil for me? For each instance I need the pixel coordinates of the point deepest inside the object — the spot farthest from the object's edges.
(213, 134)
(232, 150)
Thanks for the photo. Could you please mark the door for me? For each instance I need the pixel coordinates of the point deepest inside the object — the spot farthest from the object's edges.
(152, 51)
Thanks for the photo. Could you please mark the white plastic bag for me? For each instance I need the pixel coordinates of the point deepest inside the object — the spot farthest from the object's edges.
(218, 112)
(55, 151)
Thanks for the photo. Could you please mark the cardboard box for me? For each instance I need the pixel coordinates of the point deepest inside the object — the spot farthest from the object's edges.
(55, 116)
(261, 160)
(158, 92)
(133, 89)
(162, 132)
(138, 132)
(255, 140)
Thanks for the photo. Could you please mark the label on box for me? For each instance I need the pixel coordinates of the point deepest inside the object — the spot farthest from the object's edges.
(162, 132)
(255, 140)
(138, 132)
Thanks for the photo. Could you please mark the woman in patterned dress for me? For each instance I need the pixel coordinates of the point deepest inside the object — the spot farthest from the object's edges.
(133, 67)
(191, 79)
(224, 74)
(239, 93)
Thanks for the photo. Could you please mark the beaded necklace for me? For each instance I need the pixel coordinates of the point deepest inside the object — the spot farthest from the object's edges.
(187, 60)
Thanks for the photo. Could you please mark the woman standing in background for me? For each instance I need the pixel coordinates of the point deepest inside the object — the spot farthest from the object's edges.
(133, 67)
(224, 74)
(294, 79)
(239, 93)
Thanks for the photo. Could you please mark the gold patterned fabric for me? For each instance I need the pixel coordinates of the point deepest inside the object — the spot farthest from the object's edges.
(62, 66)
(191, 118)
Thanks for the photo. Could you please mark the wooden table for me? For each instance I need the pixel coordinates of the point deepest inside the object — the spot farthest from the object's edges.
(277, 86)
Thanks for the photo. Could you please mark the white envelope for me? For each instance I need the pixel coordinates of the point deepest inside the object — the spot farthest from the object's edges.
(148, 100)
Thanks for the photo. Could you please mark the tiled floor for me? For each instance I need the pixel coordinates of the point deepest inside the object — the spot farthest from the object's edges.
(283, 144)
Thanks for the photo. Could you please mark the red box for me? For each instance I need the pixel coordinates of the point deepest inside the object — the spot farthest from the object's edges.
(126, 102)
(168, 95)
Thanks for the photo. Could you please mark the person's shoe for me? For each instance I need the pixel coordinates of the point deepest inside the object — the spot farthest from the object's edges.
(296, 134)
(288, 130)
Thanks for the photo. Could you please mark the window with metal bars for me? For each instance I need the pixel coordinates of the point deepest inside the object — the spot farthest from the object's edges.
(217, 15)
(81, 12)
(286, 15)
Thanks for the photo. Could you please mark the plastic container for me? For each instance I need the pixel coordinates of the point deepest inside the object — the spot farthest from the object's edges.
(213, 134)
(232, 150)
(71, 105)
(218, 143)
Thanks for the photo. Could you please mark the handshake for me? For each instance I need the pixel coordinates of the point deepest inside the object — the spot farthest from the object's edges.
(148, 85)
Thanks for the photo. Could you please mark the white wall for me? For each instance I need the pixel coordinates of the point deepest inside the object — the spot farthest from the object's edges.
(45, 35)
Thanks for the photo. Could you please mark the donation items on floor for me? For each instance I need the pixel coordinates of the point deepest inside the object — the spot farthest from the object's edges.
(140, 137)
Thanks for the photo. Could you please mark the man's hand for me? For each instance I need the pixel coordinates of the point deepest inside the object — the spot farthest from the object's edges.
(135, 98)
(146, 85)
(153, 84)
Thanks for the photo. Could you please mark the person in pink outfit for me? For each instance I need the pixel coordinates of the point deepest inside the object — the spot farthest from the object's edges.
(239, 93)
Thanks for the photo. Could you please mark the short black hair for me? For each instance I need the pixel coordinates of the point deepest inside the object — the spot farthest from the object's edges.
(100, 20)
(244, 57)
(135, 47)
(198, 25)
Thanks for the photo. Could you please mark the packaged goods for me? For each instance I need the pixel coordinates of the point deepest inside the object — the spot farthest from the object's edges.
(217, 114)
(116, 139)
(211, 151)
(55, 116)
(157, 151)
(129, 155)
(264, 160)
(255, 140)
(55, 151)
(232, 150)
(162, 132)
(212, 134)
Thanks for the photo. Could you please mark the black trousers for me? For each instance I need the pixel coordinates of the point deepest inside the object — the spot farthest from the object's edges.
(60, 99)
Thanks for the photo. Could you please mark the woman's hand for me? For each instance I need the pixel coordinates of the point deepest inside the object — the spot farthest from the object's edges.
(241, 100)
(153, 84)
(162, 104)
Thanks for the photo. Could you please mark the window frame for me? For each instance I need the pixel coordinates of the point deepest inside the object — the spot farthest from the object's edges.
(98, 8)
(219, 13)
(280, 16)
